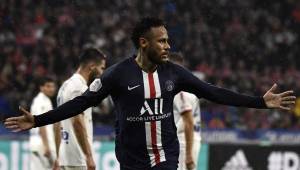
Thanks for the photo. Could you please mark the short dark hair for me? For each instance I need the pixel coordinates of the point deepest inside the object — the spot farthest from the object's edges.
(43, 80)
(91, 54)
(142, 27)
(176, 57)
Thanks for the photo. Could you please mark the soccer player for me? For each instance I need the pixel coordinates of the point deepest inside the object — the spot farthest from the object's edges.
(143, 88)
(75, 145)
(41, 140)
(187, 119)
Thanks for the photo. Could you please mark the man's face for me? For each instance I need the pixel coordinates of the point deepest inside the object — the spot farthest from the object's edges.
(96, 71)
(157, 46)
(49, 89)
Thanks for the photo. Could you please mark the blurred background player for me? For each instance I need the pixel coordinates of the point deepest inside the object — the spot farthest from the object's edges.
(187, 119)
(75, 144)
(41, 140)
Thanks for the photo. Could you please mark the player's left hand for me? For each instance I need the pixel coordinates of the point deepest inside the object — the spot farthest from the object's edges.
(56, 165)
(20, 123)
(90, 163)
(47, 154)
(189, 162)
(282, 100)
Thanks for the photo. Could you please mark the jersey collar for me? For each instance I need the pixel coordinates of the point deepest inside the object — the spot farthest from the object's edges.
(81, 78)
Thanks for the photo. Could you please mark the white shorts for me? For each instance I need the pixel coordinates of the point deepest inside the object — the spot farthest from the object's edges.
(196, 151)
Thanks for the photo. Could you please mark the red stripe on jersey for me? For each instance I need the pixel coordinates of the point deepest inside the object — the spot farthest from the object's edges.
(153, 123)
(151, 85)
(154, 144)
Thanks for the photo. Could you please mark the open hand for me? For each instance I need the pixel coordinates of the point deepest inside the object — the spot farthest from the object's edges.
(281, 100)
(20, 123)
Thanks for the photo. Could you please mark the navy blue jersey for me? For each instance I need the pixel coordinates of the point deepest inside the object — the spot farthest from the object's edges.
(145, 128)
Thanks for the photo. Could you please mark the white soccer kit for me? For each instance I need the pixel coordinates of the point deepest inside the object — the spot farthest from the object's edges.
(41, 104)
(183, 102)
(70, 152)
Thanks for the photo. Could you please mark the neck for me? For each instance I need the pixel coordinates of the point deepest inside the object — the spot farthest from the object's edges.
(143, 61)
(43, 92)
(83, 73)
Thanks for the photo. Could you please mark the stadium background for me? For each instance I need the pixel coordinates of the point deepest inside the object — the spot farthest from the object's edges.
(243, 45)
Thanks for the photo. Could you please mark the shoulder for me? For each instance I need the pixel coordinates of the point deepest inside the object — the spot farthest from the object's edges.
(40, 102)
(40, 98)
(117, 68)
(174, 67)
(73, 84)
(188, 96)
(120, 65)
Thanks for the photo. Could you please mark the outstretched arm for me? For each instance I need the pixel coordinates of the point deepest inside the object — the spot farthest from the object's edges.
(188, 82)
(67, 110)
(97, 91)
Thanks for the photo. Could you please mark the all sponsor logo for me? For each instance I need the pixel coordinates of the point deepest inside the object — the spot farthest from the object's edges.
(152, 110)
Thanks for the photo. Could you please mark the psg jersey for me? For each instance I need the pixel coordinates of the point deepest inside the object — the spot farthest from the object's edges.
(145, 128)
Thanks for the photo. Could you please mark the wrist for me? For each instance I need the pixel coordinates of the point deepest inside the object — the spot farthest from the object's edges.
(88, 156)
(33, 121)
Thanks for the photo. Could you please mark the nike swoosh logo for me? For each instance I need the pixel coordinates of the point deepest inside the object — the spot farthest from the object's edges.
(131, 88)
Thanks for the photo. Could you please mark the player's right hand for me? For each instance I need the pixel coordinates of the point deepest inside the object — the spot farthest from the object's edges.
(56, 165)
(90, 163)
(189, 162)
(20, 123)
(48, 155)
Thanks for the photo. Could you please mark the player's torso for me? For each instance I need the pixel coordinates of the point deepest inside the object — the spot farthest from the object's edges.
(69, 144)
(41, 104)
(145, 125)
(184, 101)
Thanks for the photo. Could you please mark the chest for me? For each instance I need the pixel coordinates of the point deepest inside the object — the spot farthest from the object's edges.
(143, 85)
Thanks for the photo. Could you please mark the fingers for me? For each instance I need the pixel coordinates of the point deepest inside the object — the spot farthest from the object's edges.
(14, 128)
(24, 111)
(17, 130)
(288, 102)
(190, 166)
(285, 108)
(12, 119)
(273, 88)
(9, 123)
(12, 123)
(287, 93)
(289, 98)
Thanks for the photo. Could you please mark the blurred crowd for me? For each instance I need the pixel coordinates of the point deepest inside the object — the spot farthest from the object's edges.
(243, 45)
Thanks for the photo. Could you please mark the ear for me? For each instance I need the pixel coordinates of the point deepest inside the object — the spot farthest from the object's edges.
(143, 42)
(92, 66)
